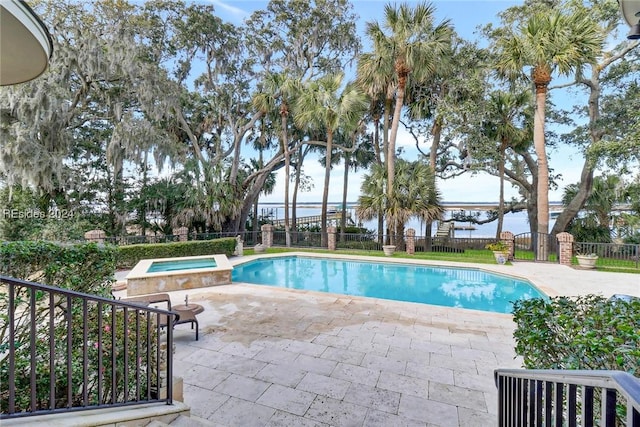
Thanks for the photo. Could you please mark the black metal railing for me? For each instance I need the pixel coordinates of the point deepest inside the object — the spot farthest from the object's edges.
(536, 247)
(63, 351)
(611, 254)
(567, 398)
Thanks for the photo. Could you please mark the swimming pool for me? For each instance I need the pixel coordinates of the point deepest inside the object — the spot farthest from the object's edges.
(446, 286)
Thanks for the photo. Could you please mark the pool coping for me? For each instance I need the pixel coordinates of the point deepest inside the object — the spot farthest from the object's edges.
(550, 278)
(140, 269)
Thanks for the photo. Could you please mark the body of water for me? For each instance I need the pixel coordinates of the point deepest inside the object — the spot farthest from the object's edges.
(514, 222)
(445, 286)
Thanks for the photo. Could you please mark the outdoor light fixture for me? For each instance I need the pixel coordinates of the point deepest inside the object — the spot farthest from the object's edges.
(25, 43)
(634, 34)
(631, 13)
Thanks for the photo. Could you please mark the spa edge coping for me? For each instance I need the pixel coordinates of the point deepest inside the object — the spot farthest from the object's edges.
(140, 270)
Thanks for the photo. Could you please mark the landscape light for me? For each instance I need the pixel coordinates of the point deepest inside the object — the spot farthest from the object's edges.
(631, 13)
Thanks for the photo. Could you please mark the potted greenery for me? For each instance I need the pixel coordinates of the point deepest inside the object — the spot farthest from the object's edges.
(500, 251)
(587, 260)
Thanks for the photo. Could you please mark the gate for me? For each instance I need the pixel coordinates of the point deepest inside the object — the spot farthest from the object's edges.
(535, 247)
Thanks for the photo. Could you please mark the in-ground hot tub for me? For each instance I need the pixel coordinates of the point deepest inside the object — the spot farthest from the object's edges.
(174, 274)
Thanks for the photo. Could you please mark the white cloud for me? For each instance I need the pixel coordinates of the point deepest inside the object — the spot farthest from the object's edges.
(235, 12)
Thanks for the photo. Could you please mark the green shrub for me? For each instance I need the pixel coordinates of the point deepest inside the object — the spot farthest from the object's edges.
(84, 267)
(586, 332)
(87, 268)
(128, 256)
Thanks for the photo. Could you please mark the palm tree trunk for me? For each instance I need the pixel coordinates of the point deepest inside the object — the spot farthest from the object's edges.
(391, 155)
(345, 185)
(543, 172)
(436, 132)
(325, 191)
(285, 147)
(385, 152)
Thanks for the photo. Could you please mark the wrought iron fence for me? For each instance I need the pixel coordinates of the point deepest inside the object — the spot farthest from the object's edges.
(567, 398)
(63, 351)
(535, 247)
(611, 254)
(450, 244)
(527, 246)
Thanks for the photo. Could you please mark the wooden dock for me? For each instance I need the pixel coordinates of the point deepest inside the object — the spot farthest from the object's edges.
(313, 219)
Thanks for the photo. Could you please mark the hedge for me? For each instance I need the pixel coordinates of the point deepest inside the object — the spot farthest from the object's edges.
(128, 256)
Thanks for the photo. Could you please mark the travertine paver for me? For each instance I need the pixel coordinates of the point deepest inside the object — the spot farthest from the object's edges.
(373, 397)
(356, 374)
(336, 412)
(238, 412)
(273, 357)
(420, 409)
(323, 385)
(281, 374)
(291, 400)
(242, 387)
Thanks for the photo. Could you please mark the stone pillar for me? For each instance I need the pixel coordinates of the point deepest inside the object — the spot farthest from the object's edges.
(565, 244)
(411, 241)
(182, 233)
(96, 236)
(507, 238)
(267, 235)
(331, 238)
(239, 246)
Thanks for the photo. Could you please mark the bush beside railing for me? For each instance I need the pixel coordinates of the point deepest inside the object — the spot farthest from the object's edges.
(566, 334)
(586, 332)
(69, 345)
(65, 351)
(84, 267)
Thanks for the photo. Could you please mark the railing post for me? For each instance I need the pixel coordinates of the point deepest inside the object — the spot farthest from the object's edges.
(267, 235)
(239, 246)
(565, 243)
(411, 241)
(182, 233)
(96, 236)
(507, 238)
(331, 238)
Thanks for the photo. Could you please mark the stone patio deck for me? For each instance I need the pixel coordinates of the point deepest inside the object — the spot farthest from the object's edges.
(276, 357)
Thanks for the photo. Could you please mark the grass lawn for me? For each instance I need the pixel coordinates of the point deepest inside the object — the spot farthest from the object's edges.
(479, 256)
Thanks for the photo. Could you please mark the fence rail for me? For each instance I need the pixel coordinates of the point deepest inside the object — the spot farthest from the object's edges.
(527, 246)
(64, 351)
(567, 398)
(611, 254)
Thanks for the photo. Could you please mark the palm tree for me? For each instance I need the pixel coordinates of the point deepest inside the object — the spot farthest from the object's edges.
(361, 155)
(320, 106)
(547, 42)
(415, 194)
(277, 93)
(413, 45)
(505, 125)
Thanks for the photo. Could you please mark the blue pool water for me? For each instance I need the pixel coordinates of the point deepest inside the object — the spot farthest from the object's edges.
(188, 264)
(446, 286)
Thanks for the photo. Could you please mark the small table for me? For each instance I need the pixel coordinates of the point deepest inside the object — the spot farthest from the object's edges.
(195, 308)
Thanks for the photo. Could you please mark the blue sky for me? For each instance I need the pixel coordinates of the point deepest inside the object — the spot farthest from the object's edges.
(465, 16)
